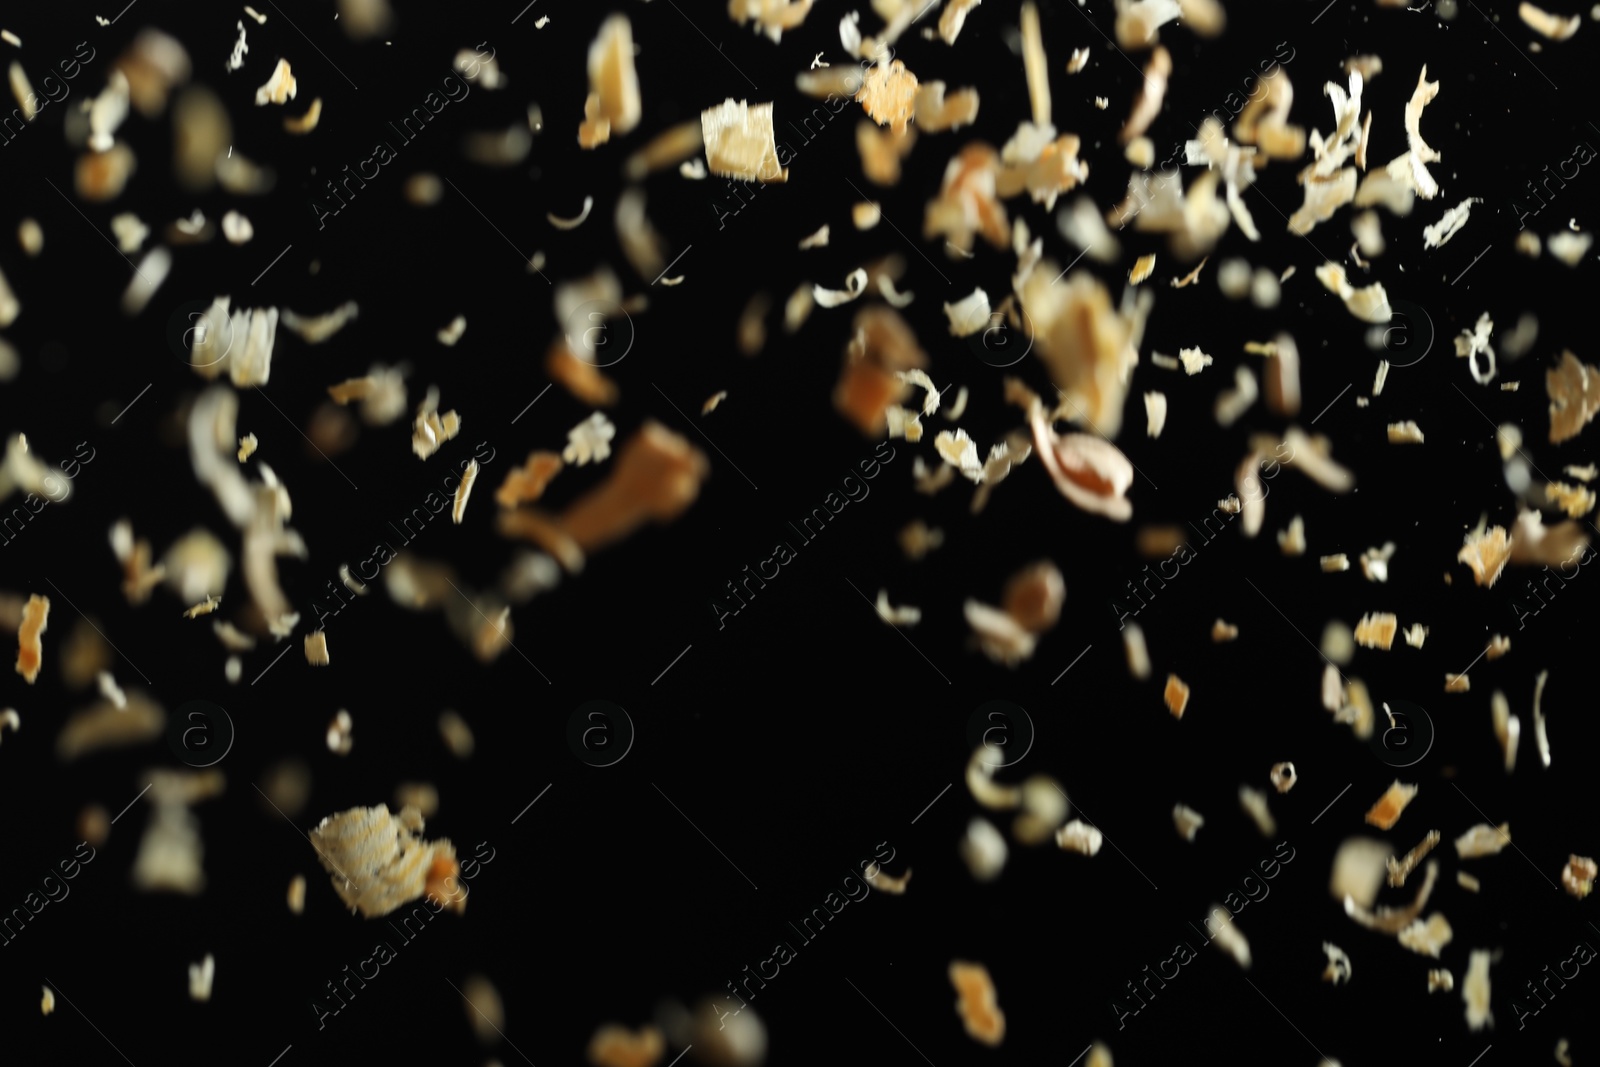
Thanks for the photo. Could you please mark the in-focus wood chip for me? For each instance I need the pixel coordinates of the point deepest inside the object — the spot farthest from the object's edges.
(1486, 553)
(1377, 630)
(1079, 836)
(1578, 876)
(1176, 696)
(280, 88)
(1401, 868)
(1404, 433)
(978, 1006)
(378, 862)
(463, 491)
(739, 142)
(888, 94)
(1386, 812)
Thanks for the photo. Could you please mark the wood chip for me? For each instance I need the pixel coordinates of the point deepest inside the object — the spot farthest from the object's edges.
(1176, 696)
(30, 647)
(978, 1005)
(378, 862)
(1386, 812)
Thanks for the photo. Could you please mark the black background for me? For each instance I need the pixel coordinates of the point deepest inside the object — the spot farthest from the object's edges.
(804, 733)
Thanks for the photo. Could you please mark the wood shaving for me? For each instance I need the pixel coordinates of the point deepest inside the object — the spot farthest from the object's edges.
(1483, 840)
(1223, 631)
(969, 314)
(656, 477)
(484, 1008)
(616, 1046)
(1456, 683)
(579, 377)
(935, 112)
(297, 895)
(1283, 777)
(1136, 651)
(201, 976)
(378, 863)
(458, 509)
(1486, 554)
(881, 152)
(1400, 869)
(527, 483)
(1427, 938)
(1045, 807)
(1440, 980)
(1253, 802)
(674, 147)
(303, 124)
(1554, 27)
(1194, 360)
(855, 283)
(1143, 267)
(1233, 403)
(1405, 433)
(1415, 634)
(1585, 474)
(770, 17)
(1576, 501)
(1377, 630)
(1292, 541)
(1569, 248)
(47, 1001)
(1155, 413)
(1338, 969)
(1176, 696)
(1147, 105)
(740, 143)
(983, 850)
(1386, 811)
(877, 878)
(573, 223)
(205, 607)
(1230, 940)
(1369, 304)
(1187, 821)
(1375, 562)
(1449, 225)
(901, 616)
(978, 1006)
(1358, 871)
(30, 647)
(341, 733)
(818, 239)
(456, 733)
(1578, 876)
(953, 17)
(613, 104)
(280, 88)
(1079, 836)
(1475, 991)
(1540, 736)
